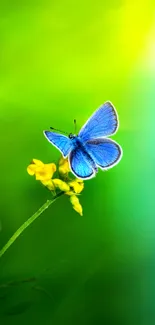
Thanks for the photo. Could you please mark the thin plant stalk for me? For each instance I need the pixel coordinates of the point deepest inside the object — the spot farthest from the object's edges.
(27, 223)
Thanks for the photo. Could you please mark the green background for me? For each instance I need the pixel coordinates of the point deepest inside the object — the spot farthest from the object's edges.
(60, 60)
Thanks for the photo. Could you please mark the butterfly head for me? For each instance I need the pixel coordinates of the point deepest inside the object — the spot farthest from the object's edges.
(72, 136)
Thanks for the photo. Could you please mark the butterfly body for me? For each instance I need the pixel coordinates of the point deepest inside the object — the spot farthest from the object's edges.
(79, 148)
(91, 148)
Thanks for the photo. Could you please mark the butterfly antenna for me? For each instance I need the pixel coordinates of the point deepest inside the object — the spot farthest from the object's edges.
(58, 130)
(75, 126)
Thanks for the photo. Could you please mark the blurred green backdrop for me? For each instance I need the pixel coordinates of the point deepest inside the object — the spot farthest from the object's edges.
(60, 60)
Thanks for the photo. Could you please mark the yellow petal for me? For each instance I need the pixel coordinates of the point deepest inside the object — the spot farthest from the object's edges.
(70, 193)
(79, 180)
(51, 167)
(46, 172)
(31, 169)
(37, 162)
(41, 174)
(61, 185)
(49, 184)
(78, 208)
(74, 199)
(61, 160)
(64, 165)
(76, 204)
(77, 186)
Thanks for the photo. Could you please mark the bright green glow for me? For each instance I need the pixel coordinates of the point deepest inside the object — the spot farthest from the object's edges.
(60, 60)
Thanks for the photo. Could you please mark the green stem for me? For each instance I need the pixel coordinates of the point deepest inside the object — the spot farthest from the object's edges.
(28, 223)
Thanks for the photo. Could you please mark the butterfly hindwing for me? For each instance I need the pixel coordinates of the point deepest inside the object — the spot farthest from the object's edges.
(81, 164)
(103, 122)
(105, 152)
(60, 141)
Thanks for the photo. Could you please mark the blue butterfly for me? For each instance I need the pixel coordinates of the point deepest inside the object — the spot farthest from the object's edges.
(91, 148)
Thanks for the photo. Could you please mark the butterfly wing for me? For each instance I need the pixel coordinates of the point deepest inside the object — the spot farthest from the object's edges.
(60, 141)
(103, 122)
(81, 164)
(105, 152)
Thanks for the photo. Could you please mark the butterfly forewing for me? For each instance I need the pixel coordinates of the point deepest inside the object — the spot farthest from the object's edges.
(63, 143)
(102, 123)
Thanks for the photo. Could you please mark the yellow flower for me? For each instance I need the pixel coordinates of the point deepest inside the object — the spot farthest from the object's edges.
(76, 204)
(31, 169)
(63, 186)
(77, 185)
(64, 166)
(43, 172)
(49, 184)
